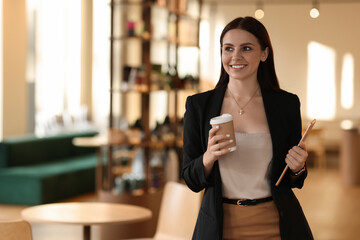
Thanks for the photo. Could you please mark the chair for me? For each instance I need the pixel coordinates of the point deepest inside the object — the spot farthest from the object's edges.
(15, 230)
(315, 143)
(178, 213)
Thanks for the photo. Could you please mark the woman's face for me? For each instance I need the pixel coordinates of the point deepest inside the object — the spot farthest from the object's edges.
(241, 54)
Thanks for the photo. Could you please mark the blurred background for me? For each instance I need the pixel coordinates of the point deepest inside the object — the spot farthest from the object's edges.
(80, 65)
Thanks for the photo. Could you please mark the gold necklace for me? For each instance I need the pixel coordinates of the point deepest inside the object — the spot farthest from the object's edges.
(241, 109)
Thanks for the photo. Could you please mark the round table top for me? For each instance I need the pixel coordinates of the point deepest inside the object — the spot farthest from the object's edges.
(86, 213)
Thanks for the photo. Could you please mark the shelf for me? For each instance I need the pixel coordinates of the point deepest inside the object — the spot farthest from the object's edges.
(144, 89)
(147, 4)
(127, 38)
(145, 39)
(149, 43)
(134, 3)
(141, 89)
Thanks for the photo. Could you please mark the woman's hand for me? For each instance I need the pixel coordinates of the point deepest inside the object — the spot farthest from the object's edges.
(296, 157)
(218, 145)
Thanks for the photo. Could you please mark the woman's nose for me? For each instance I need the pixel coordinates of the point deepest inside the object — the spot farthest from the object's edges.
(237, 54)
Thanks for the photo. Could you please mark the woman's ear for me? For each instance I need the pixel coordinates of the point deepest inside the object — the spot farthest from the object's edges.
(265, 54)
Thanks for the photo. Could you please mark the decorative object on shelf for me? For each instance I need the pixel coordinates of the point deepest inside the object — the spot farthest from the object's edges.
(161, 3)
(130, 28)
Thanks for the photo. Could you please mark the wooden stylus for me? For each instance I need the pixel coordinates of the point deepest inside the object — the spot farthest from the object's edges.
(308, 129)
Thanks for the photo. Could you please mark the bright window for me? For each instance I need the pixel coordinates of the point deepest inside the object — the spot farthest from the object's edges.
(347, 82)
(57, 58)
(321, 96)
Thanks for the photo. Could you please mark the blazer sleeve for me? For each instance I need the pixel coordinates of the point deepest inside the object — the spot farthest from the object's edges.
(193, 169)
(294, 138)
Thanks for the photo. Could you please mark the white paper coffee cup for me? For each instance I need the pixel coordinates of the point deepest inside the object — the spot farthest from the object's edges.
(226, 126)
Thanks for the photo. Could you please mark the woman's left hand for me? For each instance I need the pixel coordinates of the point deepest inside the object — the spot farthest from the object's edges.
(296, 157)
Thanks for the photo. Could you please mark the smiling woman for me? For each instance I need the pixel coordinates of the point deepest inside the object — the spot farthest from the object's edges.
(267, 134)
(242, 54)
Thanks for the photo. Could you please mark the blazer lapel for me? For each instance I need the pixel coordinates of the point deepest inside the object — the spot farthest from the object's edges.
(214, 108)
(275, 122)
(272, 113)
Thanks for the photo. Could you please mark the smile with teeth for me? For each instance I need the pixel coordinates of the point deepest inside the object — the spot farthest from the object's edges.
(237, 66)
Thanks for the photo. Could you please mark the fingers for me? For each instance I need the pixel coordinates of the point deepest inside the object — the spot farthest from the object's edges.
(296, 157)
(221, 147)
(217, 139)
(218, 145)
(302, 145)
(213, 131)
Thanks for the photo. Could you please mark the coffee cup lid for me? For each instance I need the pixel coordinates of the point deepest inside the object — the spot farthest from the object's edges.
(226, 117)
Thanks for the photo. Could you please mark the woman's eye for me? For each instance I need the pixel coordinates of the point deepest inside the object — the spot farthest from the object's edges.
(228, 49)
(246, 48)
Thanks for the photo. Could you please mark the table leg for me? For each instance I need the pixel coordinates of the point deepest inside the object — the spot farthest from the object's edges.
(99, 170)
(87, 232)
(109, 168)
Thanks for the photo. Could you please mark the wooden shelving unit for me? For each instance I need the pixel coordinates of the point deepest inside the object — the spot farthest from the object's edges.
(145, 40)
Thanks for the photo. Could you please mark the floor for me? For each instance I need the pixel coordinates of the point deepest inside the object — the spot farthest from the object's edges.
(332, 210)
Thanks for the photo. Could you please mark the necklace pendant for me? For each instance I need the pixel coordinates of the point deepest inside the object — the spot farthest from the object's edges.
(241, 111)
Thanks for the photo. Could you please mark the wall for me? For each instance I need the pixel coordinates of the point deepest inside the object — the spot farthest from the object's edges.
(86, 53)
(17, 97)
(1, 70)
(14, 60)
(291, 29)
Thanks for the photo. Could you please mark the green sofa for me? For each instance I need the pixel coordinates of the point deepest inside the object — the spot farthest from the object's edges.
(37, 170)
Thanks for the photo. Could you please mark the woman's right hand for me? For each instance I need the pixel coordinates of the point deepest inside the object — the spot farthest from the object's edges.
(218, 145)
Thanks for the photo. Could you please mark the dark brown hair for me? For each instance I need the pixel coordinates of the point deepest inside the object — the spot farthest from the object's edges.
(266, 72)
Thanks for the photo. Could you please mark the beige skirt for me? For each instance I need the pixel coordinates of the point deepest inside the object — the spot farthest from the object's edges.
(257, 222)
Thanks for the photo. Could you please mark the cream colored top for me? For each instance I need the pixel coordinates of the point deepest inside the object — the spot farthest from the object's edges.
(244, 171)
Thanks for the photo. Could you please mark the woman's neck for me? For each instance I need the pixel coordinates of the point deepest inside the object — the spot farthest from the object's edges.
(242, 89)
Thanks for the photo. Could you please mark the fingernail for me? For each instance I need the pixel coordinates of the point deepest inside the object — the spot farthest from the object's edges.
(231, 140)
(228, 135)
(217, 126)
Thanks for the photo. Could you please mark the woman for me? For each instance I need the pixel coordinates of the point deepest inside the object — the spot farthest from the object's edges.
(267, 125)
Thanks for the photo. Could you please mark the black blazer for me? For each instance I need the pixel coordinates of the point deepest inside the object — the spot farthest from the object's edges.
(283, 115)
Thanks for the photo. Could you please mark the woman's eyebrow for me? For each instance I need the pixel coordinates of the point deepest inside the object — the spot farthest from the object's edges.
(243, 44)
(248, 43)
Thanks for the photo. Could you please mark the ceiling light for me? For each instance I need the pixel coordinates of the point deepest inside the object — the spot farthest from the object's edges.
(259, 12)
(314, 12)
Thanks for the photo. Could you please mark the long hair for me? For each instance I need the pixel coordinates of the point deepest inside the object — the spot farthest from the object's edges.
(266, 74)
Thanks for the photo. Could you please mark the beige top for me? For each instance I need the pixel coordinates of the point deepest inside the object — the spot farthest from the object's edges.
(244, 171)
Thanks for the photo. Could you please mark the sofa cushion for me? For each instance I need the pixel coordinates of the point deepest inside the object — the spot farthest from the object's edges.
(29, 150)
(48, 182)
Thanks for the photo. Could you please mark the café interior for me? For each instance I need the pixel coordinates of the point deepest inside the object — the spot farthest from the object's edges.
(111, 78)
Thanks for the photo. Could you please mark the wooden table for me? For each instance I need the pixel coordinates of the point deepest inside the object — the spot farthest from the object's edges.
(113, 137)
(86, 214)
(97, 142)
